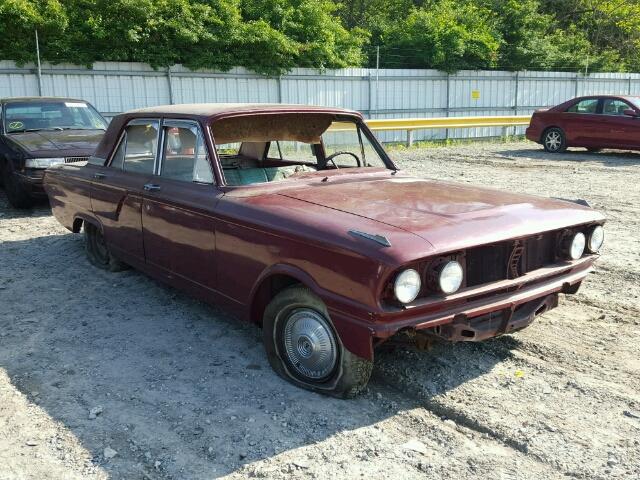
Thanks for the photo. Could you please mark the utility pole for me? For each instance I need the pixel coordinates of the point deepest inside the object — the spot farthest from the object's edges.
(39, 66)
(377, 74)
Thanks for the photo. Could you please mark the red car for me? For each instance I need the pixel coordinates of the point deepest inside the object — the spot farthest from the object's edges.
(295, 218)
(593, 122)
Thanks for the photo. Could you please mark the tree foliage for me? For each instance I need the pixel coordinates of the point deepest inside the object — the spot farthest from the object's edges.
(273, 36)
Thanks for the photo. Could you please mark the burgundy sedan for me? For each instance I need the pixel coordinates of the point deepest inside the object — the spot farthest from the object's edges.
(296, 219)
(594, 122)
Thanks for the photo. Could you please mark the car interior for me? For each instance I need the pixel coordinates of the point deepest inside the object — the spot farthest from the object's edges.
(614, 107)
(268, 148)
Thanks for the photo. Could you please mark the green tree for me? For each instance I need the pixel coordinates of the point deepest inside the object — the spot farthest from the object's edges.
(19, 19)
(448, 36)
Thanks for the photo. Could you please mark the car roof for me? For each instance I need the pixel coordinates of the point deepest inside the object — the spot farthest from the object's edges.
(40, 99)
(217, 110)
(636, 97)
(207, 113)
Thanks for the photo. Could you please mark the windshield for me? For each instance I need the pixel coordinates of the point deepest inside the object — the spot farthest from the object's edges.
(34, 116)
(270, 148)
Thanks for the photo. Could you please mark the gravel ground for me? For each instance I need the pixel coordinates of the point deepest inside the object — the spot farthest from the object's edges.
(108, 375)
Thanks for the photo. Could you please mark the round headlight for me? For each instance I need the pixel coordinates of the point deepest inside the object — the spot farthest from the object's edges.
(577, 246)
(596, 239)
(407, 285)
(450, 277)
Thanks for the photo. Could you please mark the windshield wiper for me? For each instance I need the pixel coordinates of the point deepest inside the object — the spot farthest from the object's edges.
(21, 130)
(81, 128)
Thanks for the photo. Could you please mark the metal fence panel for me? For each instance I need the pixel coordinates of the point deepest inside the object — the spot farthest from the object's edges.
(114, 87)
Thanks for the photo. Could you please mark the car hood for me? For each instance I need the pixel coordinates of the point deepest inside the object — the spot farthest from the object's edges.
(57, 142)
(449, 216)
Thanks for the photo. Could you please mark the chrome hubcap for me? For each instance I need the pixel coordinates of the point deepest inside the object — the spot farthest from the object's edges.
(553, 140)
(309, 343)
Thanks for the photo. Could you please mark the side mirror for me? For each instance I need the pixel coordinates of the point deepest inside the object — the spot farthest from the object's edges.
(630, 112)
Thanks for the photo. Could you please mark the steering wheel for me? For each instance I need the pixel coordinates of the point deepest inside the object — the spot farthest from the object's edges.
(331, 157)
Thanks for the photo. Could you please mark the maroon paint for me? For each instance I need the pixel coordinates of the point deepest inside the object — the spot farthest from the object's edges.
(592, 130)
(224, 244)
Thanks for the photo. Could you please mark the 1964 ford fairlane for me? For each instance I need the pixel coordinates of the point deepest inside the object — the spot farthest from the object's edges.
(296, 219)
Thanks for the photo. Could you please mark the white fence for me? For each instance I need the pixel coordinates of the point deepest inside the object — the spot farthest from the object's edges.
(386, 93)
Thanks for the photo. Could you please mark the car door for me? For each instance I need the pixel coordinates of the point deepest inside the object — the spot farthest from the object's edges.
(178, 208)
(582, 124)
(621, 131)
(116, 191)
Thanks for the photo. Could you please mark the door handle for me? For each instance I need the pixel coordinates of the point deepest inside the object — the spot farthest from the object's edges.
(151, 187)
(99, 176)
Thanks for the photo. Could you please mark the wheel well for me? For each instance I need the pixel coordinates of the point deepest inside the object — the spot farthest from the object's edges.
(77, 225)
(268, 289)
(78, 222)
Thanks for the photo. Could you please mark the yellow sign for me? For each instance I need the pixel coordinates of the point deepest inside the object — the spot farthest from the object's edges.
(475, 94)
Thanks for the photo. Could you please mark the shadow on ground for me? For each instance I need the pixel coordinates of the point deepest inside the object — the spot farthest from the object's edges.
(40, 209)
(186, 390)
(609, 158)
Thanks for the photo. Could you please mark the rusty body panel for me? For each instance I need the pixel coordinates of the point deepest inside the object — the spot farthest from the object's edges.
(235, 245)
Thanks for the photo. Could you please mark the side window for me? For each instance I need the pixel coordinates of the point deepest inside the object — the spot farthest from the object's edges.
(589, 105)
(141, 146)
(184, 156)
(613, 106)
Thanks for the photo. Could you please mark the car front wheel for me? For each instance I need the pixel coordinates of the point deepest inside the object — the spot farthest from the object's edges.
(554, 140)
(98, 252)
(303, 347)
(16, 194)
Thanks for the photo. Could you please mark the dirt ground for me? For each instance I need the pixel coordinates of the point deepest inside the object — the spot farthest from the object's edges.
(107, 375)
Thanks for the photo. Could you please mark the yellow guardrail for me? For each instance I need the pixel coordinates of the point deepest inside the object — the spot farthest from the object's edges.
(447, 122)
(411, 124)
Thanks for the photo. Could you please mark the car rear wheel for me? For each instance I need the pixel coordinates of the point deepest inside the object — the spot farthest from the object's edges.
(303, 347)
(98, 252)
(554, 140)
(16, 194)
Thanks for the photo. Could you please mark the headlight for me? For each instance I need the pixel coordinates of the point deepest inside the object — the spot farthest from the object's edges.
(596, 239)
(42, 162)
(407, 285)
(573, 246)
(450, 277)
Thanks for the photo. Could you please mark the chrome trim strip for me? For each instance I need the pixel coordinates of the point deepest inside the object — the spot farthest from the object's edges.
(380, 239)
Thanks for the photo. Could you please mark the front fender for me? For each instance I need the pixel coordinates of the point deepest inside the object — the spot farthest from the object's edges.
(355, 333)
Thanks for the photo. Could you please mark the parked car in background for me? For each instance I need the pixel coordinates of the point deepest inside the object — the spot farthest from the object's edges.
(296, 219)
(39, 132)
(593, 122)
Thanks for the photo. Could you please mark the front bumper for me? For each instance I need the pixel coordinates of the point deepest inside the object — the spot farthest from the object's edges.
(487, 310)
(493, 324)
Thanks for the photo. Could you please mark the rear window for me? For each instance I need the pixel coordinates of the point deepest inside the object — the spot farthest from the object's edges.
(63, 115)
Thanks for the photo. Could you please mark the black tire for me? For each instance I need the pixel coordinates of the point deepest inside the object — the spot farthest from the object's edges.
(97, 251)
(348, 375)
(594, 150)
(16, 194)
(554, 140)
